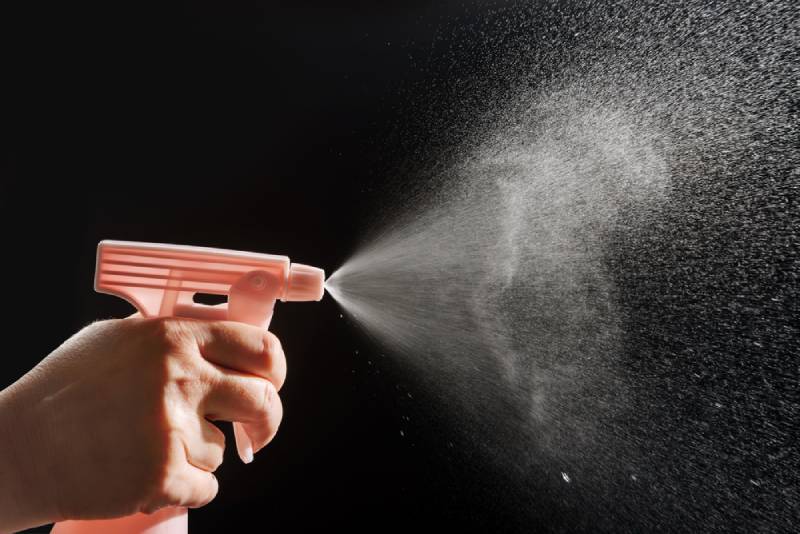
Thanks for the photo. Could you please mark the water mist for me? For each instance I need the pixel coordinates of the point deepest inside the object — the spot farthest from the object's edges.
(590, 284)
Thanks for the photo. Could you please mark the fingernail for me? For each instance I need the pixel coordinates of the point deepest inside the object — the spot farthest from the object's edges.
(247, 454)
(244, 445)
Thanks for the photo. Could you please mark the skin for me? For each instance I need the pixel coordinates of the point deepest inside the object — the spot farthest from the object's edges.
(117, 420)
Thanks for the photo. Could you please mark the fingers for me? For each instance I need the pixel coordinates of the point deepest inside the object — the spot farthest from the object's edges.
(251, 438)
(185, 485)
(205, 446)
(262, 432)
(241, 371)
(196, 487)
(250, 400)
(244, 348)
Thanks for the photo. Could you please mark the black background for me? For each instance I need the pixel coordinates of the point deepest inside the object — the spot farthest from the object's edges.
(251, 126)
(275, 127)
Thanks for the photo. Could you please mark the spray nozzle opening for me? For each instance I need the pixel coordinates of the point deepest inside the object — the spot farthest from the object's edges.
(305, 283)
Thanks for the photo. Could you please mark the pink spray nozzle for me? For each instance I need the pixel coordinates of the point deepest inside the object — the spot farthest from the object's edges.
(305, 283)
(162, 280)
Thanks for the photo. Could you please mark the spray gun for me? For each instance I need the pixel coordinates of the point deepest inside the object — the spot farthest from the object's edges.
(161, 281)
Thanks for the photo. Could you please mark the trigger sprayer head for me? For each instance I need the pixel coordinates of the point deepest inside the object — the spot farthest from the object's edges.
(305, 283)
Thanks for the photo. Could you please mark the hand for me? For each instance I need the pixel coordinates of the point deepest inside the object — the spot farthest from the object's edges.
(117, 419)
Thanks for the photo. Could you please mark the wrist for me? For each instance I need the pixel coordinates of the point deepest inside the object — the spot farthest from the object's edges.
(24, 491)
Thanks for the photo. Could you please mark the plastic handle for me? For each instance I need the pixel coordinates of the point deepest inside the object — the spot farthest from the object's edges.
(251, 300)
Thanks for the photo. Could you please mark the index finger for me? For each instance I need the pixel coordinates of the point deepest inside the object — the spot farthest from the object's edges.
(244, 348)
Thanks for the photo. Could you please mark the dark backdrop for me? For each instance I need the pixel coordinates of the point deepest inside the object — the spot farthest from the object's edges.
(272, 127)
(255, 126)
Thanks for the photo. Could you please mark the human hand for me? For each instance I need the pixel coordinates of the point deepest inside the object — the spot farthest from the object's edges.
(117, 419)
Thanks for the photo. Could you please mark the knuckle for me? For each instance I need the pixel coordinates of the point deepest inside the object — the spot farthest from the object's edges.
(227, 334)
(272, 413)
(269, 427)
(276, 409)
(257, 394)
(181, 384)
(217, 447)
(272, 344)
(171, 332)
(217, 460)
(184, 382)
(275, 359)
(251, 397)
(213, 489)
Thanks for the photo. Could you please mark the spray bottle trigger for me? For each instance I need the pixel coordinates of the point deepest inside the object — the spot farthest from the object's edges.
(252, 298)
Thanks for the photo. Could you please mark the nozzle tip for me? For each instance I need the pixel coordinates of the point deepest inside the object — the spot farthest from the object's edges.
(305, 283)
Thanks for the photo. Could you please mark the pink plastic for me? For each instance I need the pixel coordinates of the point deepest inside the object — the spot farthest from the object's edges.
(161, 280)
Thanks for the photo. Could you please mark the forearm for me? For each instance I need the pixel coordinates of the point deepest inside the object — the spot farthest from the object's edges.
(24, 501)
